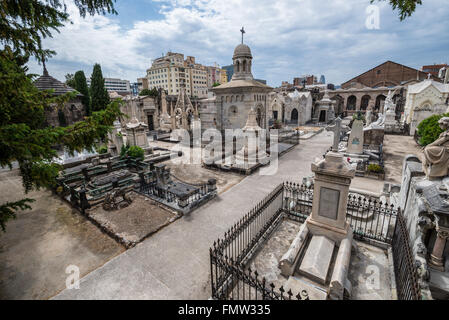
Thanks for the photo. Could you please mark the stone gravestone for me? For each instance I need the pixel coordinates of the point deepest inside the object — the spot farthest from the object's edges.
(325, 240)
(356, 138)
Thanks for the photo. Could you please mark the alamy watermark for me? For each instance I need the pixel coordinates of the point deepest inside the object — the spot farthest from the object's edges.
(372, 21)
(73, 280)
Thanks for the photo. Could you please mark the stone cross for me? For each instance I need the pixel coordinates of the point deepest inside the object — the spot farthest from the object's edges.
(243, 32)
(336, 129)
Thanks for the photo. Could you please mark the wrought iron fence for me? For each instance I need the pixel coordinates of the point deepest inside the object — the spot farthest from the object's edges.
(404, 268)
(189, 200)
(229, 256)
(371, 221)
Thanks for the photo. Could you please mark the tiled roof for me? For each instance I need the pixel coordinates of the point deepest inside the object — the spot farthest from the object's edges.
(47, 82)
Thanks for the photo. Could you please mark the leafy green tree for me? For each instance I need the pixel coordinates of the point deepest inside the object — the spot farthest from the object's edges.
(24, 139)
(149, 92)
(99, 95)
(136, 152)
(406, 7)
(70, 80)
(429, 129)
(81, 87)
(216, 84)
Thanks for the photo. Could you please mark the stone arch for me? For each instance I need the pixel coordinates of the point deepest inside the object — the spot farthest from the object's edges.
(364, 103)
(352, 102)
(294, 117)
(276, 110)
(244, 65)
(237, 66)
(380, 101)
(426, 105)
(339, 106)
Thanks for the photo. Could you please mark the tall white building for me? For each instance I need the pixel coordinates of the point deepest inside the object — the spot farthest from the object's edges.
(171, 72)
(113, 84)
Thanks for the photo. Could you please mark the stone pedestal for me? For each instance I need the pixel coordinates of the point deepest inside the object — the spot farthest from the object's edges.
(252, 152)
(136, 133)
(333, 177)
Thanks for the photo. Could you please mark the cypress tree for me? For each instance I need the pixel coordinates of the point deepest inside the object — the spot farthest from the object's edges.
(81, 87)
(98, 93)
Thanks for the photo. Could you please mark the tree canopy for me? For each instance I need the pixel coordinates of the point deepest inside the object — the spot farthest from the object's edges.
(24, 138)
(25, 23)
(149, 92)
(406, 7)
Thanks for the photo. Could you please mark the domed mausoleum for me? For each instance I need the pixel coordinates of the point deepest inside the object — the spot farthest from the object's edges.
(233, 101)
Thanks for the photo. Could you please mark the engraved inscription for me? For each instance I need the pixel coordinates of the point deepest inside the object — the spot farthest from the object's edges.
(329, 201)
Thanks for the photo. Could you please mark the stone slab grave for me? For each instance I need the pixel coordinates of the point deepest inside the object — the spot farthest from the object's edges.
(317, 259)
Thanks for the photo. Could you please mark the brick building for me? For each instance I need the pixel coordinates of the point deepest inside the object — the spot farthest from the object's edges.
(388, 74)
(433, 69)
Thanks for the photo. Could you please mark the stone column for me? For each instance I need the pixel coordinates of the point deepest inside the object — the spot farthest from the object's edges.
(436, 258)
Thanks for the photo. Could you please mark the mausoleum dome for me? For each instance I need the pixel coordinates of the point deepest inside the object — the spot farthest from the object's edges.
(242, 50)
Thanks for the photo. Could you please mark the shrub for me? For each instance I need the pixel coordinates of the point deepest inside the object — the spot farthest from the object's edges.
(124, 151)
(429, 130)
(375, 168)
(136, 152)
(358, 116)
(103, 150)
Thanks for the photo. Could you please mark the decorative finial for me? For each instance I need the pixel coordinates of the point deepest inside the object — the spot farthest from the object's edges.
(243, 32)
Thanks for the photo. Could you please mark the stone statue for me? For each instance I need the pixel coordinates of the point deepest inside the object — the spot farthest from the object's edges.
(389, 104)
(436, 154)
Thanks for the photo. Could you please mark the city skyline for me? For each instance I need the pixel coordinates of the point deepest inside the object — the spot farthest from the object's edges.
(293, 42)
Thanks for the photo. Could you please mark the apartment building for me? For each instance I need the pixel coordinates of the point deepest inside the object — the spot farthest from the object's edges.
(216, 75)
(172, 72)
(115, 85)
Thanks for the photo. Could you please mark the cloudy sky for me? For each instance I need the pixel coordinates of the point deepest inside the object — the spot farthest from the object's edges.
(288, 38)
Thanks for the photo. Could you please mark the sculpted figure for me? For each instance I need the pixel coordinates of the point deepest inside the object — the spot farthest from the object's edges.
(436, 154)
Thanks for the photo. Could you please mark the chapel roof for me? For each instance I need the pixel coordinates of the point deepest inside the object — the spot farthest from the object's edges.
(242, 50)
(242, 83)
(47, 82)
(419, 87)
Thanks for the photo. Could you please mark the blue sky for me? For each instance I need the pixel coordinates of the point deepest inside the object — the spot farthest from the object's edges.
(288, 38)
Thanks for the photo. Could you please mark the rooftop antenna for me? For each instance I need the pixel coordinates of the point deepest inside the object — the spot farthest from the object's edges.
(243, 32)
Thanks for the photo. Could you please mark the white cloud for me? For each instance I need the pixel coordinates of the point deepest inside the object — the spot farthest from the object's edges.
(288, 38)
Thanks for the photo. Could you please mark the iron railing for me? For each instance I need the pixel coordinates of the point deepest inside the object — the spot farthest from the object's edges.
(404, 268)
(371, 221)
(163, 194)
(229, 256)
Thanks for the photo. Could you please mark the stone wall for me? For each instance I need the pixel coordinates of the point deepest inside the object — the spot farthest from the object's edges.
(73, 110)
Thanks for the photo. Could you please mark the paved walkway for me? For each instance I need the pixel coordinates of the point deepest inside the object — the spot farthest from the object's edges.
(174, 263)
